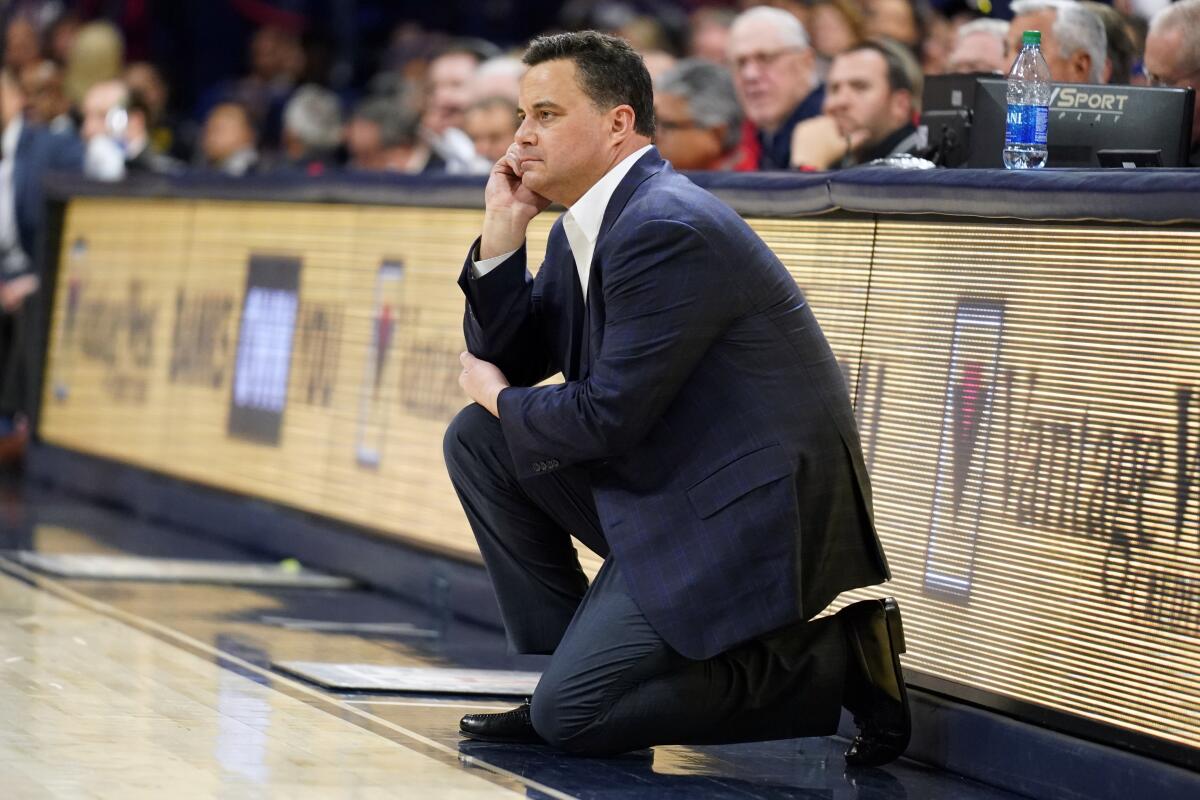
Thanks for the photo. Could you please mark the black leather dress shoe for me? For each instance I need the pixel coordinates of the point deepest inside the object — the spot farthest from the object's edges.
(875, 692)
(514, 727)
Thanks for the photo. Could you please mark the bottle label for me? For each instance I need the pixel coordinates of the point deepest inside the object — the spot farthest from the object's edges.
(1026, 125)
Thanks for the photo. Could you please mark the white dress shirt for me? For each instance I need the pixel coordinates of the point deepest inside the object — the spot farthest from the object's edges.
(10, 243)
(582, 222)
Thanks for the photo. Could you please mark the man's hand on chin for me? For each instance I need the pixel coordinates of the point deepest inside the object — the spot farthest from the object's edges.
(482, 382)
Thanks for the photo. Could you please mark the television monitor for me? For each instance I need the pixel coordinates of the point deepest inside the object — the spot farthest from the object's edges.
(965, 116)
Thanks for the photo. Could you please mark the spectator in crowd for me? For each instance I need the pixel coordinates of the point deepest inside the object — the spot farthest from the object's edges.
(145, 80)
(1173, 56)
(60, 38)
(116, 128)
(312, 130)
(384, 135)
(936, 44)
(97, 53)
(871, 101)
(657, 62)
(276, 64)
(774, 72)
(228, 144)
(42, 84)
(903, 21)
(981, 46)
(1121, 51)
(22, 44)
(27, 152)
(449, 79)
(835, 26)
(699, 120)
(492, 123)
(709, 34)
(496, 77)
(645, 33)
(1073, 40)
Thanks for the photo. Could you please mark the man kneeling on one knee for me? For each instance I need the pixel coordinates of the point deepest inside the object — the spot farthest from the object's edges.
(703, 444)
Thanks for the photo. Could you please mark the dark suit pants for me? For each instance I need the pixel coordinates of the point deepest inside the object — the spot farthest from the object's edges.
(612, 683)
(13, 365)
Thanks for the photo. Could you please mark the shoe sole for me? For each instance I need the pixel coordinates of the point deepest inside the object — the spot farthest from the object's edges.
(479, 737)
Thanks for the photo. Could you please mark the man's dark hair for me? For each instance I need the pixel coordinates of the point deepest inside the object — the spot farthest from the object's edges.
(611, 73)
(903, 71)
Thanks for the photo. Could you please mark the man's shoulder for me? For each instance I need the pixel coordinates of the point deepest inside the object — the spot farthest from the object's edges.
(670, 196)
(38, 143)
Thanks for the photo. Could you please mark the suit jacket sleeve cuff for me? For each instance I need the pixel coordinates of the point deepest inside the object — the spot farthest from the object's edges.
(528, 462)
(496, 287)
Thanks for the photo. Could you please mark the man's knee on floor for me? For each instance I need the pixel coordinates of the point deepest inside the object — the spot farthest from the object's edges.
(568, 728)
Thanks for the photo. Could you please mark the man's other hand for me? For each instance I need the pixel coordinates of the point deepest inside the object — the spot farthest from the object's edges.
(818, 143)
(14, 292)
(482, 381)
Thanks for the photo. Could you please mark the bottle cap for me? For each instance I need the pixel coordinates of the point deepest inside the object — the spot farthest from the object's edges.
(1031, 37)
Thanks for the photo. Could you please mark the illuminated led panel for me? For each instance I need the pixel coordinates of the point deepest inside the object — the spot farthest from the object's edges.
(1037, 462)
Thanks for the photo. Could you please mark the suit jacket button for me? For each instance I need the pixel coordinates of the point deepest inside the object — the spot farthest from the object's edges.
(552, 463)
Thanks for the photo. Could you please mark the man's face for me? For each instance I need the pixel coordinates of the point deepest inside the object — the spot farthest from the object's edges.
(859, 99)
(225, 133)
(1165, 66)
(564, 141)
(680, 140)
(893, 19)
(491, 129)
(364, 140)
(21, 48)
(449, 78)
(979, 52)
(42, 84)
(1063, 69)
(146, 80)
(770, 74)
(98, 101)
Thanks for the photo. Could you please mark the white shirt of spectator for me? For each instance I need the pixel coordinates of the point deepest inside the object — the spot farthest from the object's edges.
(582, 222)
(10, 242)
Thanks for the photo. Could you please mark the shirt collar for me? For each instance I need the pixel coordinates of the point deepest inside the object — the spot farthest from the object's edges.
(588, 211)
(12, 134)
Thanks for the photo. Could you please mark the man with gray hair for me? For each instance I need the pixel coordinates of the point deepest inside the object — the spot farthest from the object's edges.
(1173, 56)
(699, 120)
(312, 129)
(384, 135)
(774, 72)
(981, 46)
(1073, 39)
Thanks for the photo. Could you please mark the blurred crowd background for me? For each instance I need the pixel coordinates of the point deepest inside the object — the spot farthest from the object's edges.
(309, 86)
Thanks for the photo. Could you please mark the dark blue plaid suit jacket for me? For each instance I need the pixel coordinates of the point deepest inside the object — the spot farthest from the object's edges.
(704, 402)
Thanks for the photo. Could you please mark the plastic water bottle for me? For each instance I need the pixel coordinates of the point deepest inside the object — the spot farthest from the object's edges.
(1028, 106)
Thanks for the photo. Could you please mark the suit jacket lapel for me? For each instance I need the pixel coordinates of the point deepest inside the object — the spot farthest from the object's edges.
(593, 322)
(649, 164)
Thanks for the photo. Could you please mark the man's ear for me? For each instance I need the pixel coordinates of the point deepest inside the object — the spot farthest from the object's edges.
(622, 122)
(1081, 66)
(901, 106)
